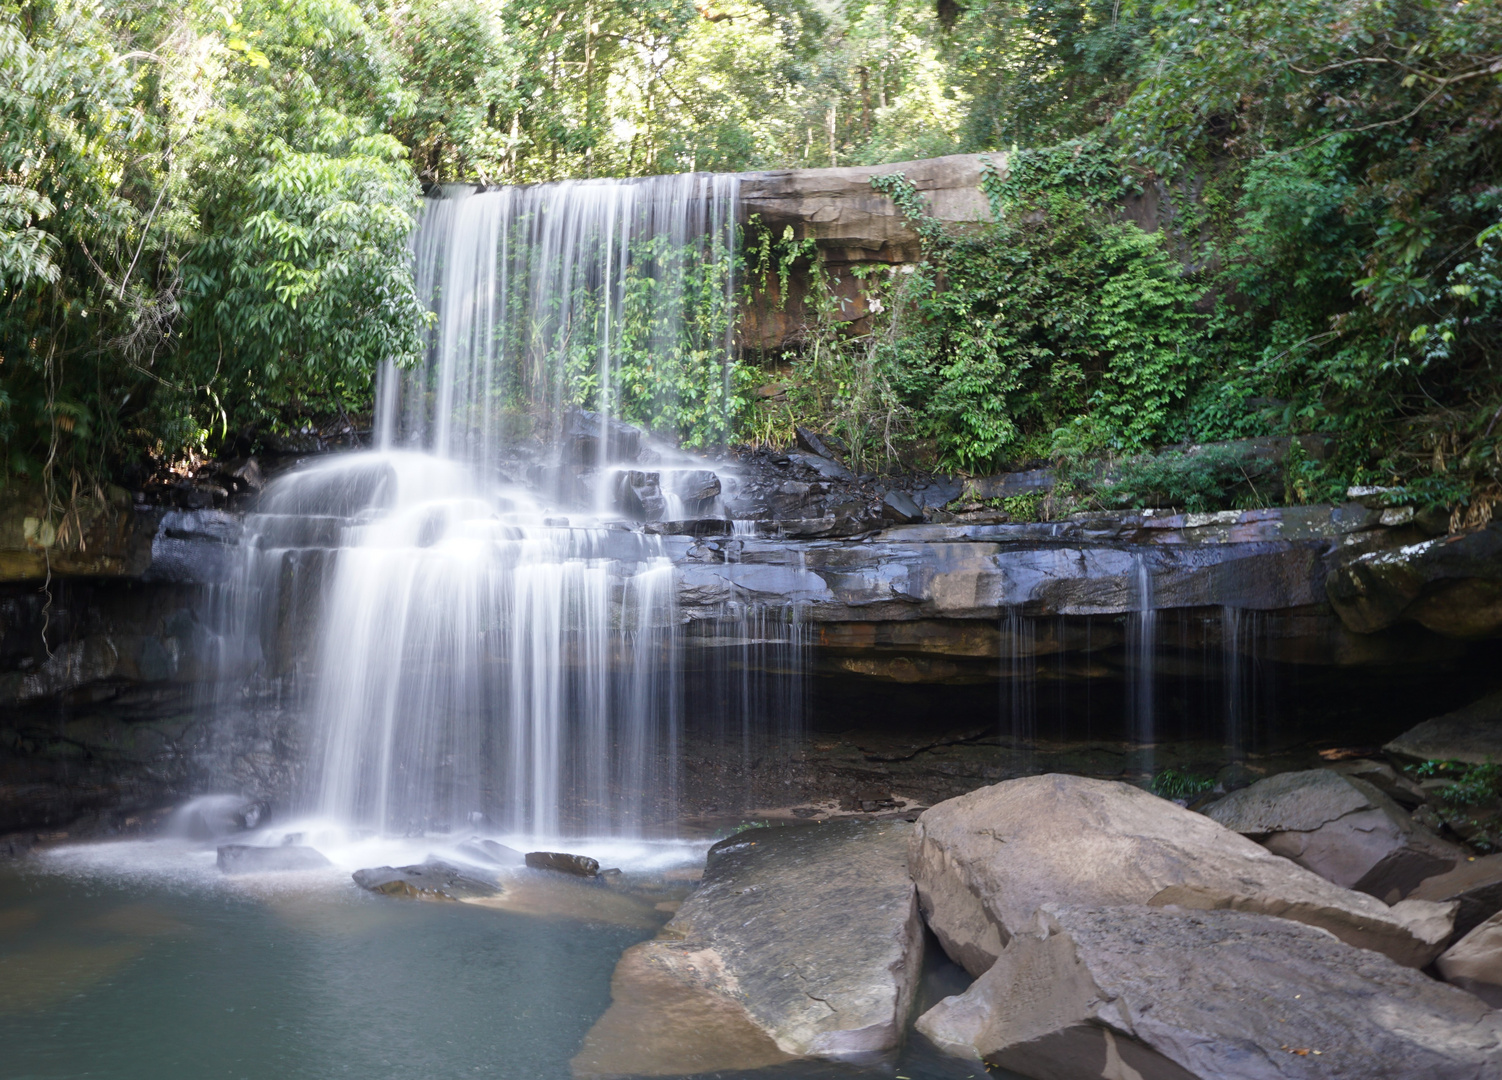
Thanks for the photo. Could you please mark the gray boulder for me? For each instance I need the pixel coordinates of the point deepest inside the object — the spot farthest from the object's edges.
(1472, 735)
(1474, 962)
(250, 859)
(799, 942)
(427, 881)
(1341, 827)
(1155, 994)
(1475, 884)
(985, 862)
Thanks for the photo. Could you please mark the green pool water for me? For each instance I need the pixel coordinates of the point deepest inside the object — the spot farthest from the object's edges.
(135, 962)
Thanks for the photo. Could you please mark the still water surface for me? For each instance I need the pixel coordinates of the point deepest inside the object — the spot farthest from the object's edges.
(129, 961)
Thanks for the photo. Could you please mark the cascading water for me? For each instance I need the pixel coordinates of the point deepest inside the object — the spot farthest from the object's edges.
(1142, 666)
(477, 658)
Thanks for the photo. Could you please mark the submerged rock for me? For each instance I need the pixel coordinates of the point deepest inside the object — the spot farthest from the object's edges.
(1161, 994)
(250, 859)
(986, 862)
(800, 942)
(1474, 962)
(1475, 884)
(578, 865)
(1342, 828)
(428, 881)
(1472, 735)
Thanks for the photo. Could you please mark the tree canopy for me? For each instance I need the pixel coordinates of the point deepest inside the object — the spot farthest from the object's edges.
(204, 210)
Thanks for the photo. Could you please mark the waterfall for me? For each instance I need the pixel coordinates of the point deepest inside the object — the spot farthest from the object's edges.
(1142, 657)
(613, 294)
(1020, 686)
(475, 653)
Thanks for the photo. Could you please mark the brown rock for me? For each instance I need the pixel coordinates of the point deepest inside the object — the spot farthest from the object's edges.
(1475, 884)
(985, 862)
(1341, 827)
(1474, 962)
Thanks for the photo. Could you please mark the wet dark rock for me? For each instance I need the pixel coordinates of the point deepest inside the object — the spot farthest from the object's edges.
(900, 507)
(1342, 828)
(825, 446)
(986, 862)
(799, 942)
(1450, 584)
(250, 859)
(1474, 963)
(428, 881)
(699, 528)
(488, 851)
(1475, 884)
(639, 495)
(823, 466)
(591, 439)
(577, 865)
(1472, 735)
(1007, 485)
(1201, 995)
(696, 487)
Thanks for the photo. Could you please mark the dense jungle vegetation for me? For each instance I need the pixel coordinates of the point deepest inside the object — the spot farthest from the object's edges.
(204, 211)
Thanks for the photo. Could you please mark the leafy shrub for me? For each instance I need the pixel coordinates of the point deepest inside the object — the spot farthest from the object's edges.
(1173, 784)
(1212, 478)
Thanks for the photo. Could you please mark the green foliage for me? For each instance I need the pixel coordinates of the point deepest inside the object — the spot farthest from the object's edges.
(1209, 478)
(1052, 315)
(1173, 784)
(1473, 785)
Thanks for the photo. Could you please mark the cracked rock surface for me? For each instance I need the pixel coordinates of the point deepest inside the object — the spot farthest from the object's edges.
(799, 942)
(1342, 828)
(1168, 994)
(986, 862)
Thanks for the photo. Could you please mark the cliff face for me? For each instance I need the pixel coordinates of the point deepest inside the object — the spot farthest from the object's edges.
(852, 223)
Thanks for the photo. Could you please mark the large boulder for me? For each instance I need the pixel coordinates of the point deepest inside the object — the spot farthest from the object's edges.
(986, 862)
(1342, 828)
(1167, 994)
(1475, 884)
(1472, 735)
(1475, 961)
(799, 942)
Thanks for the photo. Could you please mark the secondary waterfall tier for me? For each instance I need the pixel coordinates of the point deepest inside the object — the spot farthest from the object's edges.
(615, 295)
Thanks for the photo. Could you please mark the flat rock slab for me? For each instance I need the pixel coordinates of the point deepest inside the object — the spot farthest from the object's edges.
(1166, 994)
(1341, 827)
(1475, 961)
(426, 881)
(1475, 884)
(1472, 735)
(799, 942)
(251, 859)
(986, 862)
